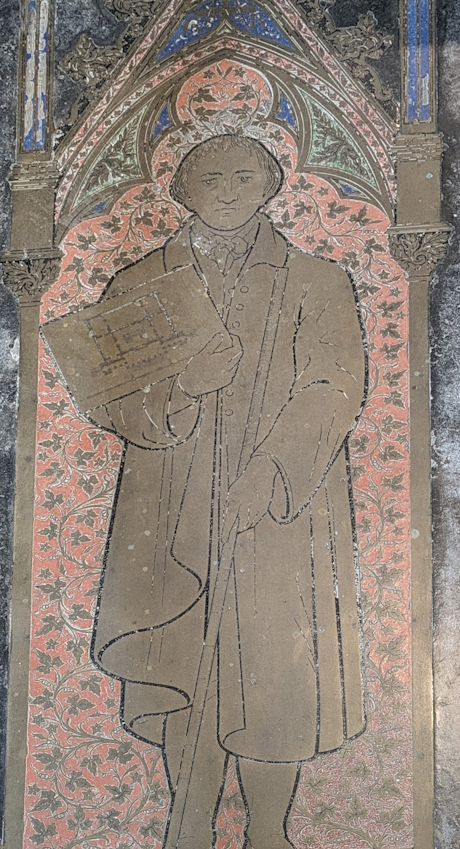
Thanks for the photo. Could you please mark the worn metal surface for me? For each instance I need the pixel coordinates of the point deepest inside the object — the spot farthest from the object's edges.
(9, 329)
(443, 313)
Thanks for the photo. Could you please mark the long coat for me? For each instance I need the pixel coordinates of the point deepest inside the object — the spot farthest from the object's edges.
(289, 656)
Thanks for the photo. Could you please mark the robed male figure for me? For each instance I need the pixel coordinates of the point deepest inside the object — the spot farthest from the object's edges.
(287, 677)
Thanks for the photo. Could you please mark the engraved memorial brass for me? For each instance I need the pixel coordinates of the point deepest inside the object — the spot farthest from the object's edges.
(224, 539)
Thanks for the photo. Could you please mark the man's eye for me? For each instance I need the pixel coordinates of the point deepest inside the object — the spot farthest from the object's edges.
(210, 182)
(245, 179)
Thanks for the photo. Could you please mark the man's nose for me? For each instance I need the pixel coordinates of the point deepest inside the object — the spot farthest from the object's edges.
(227, 192)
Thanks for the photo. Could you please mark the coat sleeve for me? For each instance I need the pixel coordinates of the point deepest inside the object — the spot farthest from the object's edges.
(326, 394)
(161, 416)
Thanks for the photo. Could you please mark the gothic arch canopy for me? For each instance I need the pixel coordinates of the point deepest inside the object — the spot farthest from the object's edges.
(308, 95)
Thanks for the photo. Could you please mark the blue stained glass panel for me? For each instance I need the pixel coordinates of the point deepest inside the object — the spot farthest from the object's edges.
(41, 124)
(29, 140)
(162, 123)
(424, 60)
(285, 112)
(250, 17)
(349, 190)
(98, 208)
(424, 112)
(202, 20)
(41, 133)
(412, 45)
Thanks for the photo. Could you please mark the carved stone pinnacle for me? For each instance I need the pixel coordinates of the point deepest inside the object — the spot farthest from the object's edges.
(137, 9)
(355, 45)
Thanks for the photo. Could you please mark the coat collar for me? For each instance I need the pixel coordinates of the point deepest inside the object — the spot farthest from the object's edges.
(270, 247)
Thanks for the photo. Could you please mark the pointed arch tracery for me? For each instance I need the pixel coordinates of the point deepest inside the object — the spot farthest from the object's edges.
(338, 134)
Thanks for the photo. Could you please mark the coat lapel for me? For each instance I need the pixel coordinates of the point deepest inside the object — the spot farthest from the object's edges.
(270, 247)
(178, 250)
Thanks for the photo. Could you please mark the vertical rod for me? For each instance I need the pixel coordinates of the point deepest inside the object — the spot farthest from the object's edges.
(421, 576)
(22, 567)
(33, 180)
(418, 152)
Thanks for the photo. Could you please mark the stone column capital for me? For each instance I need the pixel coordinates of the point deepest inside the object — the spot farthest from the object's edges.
(30, 275)
(419, 247)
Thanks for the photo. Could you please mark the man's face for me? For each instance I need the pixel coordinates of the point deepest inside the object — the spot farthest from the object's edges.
(226, 190)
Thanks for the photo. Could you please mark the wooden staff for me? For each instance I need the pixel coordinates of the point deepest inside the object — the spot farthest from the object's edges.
(201, 688)
(217, 597)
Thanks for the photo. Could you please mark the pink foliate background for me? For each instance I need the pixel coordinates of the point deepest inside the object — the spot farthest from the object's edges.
(89, 783)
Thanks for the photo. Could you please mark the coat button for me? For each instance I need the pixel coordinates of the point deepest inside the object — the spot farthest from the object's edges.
(235, 324)
(239, 307)
(244, 289)
(229, 391)
(229, 412)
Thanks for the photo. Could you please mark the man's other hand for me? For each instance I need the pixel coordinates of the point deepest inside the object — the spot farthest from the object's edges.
(212, 368)
(250, 495)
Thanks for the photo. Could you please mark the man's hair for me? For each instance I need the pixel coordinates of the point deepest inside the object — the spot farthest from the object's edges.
(220, 145)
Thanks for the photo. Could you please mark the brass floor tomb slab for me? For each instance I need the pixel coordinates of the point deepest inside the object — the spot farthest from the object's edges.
(221, 586)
